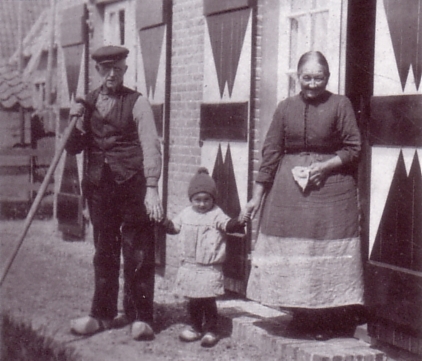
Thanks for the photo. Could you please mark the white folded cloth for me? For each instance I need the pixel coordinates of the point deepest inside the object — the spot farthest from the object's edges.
(301, 176)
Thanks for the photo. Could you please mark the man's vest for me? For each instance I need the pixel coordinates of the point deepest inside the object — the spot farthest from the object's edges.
(113, 139)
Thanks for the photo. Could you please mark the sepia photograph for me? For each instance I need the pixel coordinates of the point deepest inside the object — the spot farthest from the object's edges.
(211, 180)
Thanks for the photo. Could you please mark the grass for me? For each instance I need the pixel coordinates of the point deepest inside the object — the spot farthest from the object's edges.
(19, 342)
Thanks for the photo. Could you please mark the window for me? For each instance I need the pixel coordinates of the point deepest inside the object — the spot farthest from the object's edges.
(308, 31)
(311, 25)
(115, 29)
(39, 95)
(122, 26)
(120, 29)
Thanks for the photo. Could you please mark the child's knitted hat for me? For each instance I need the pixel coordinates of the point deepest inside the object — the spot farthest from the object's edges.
(202, 182)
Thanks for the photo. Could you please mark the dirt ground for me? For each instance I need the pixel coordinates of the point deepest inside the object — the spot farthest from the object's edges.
(50, 282)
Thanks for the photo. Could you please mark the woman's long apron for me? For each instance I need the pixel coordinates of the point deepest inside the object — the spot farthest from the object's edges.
(308, 248)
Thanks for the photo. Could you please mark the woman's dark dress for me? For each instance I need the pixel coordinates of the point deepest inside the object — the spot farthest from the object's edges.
(308, 249)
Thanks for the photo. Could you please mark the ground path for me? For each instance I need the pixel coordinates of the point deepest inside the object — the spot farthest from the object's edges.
(50, 282)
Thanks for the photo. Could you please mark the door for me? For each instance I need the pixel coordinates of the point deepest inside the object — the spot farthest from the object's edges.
(144, 27)
(73, 60)
(394, 271)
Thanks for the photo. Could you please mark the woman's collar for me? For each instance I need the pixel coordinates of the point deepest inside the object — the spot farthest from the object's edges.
(319, 99)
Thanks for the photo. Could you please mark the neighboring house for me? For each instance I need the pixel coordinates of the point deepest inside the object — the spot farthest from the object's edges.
(26, 144)
(38, 45)
(15, 114)
(16, 19)
(15, 107)
(20, 164)
(214, 72)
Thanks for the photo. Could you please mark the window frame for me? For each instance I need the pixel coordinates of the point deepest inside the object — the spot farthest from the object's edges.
(335, 48)
(130, 36)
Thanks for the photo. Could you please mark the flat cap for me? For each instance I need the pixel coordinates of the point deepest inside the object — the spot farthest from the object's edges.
(109, 54)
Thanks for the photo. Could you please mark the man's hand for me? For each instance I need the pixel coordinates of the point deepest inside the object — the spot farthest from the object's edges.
(153, 204)
(77, 110)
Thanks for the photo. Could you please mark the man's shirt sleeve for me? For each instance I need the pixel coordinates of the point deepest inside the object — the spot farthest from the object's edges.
(150, 143)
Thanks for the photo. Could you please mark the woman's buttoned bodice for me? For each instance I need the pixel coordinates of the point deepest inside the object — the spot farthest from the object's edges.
(324, 125)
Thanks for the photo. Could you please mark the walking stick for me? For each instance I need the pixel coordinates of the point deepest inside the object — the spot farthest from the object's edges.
(41, 191)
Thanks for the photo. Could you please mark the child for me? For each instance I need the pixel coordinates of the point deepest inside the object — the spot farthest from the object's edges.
(202, 231)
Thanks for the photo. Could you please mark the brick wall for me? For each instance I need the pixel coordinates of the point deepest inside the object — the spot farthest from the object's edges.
(186, 96)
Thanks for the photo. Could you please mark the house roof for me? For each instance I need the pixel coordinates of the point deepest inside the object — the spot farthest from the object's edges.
(13, 89)
(9, 22)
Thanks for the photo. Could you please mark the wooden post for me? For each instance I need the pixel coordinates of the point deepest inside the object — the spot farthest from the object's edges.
(49, 77)
(20, 69)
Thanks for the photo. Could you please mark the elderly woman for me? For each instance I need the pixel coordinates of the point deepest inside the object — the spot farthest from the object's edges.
(307, 257)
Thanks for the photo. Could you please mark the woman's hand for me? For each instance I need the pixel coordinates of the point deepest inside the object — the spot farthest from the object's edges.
(319, 171)
(252, 207)
(250, 210)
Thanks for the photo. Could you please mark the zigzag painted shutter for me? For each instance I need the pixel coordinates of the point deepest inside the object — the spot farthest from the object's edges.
(74, 42)
(224, 119)
(394, 270)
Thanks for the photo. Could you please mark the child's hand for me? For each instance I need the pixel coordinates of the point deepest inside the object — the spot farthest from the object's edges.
(235, 225)
(169, 226)
(164, 221)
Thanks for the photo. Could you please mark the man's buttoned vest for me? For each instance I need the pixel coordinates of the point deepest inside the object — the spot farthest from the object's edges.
(113, 138)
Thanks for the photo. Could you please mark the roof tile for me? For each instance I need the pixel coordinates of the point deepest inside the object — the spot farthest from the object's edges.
(13, 89)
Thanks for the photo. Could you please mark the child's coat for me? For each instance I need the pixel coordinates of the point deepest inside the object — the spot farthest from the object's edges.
(202, 240)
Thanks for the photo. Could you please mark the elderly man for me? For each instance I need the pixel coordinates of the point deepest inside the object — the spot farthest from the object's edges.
(118, 133)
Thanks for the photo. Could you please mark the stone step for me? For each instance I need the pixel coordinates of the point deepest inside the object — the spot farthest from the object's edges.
(266, 328)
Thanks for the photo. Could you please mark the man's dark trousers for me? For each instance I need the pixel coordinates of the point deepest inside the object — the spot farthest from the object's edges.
(121, 224)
